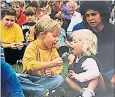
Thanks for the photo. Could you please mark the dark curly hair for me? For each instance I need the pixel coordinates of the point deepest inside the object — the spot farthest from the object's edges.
(100, 6)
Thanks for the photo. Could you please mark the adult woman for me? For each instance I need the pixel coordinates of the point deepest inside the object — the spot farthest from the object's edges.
(96, 18)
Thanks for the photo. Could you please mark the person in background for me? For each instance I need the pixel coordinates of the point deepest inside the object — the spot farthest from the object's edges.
(96, 18)
(76, 17)
(59, 17)
(10, 85)
(84, 73)
(36, 6)
(67, 14)
(3, 4)
(30, 21)
(19, 6)
(41, 61)
(11, 36)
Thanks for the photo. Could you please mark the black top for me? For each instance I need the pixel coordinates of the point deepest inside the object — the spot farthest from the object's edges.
(26, 29)
(106, 46)
(77, 66)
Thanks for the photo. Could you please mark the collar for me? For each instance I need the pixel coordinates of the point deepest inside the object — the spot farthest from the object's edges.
(41, 45)
(75, 13)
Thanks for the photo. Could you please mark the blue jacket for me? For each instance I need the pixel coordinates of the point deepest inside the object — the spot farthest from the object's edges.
(10, 85)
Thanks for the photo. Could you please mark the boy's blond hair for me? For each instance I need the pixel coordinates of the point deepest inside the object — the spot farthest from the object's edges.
(46, 24)
(88, 39)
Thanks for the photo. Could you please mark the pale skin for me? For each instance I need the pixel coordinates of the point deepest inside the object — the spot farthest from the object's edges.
(13, 45)
(55, 62)
(94, 20)
(77, 51)
(112, 82)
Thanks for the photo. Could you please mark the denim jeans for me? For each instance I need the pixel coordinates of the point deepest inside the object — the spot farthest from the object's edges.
(110, 74)
(36, 86)
(107, 78)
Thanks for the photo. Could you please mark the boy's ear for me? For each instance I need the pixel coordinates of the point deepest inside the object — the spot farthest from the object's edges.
(42, 34)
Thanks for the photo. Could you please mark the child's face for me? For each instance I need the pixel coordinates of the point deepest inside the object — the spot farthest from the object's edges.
(50, 39)
(76, 46)
(30, 18)
(93, 18)
(60, 22)
(17, 8)
(8, 21)
(2, 4)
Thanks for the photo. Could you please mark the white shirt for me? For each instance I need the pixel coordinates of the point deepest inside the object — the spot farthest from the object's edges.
(91, 68)
(76, 18)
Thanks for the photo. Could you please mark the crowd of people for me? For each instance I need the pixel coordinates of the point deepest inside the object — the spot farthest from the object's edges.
(37, 33)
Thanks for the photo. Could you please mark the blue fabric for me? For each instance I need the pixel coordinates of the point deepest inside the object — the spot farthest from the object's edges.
(2, 51)
(78, 26)
(110, 74)
(62, 36)
(10, 85)
(36, 86)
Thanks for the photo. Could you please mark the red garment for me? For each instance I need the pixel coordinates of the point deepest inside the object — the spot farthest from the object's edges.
(22, 19)
(58, 9)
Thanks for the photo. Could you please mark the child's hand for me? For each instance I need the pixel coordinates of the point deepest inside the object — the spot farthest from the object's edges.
(57, 62)
(13, 45)
(48, 72)
(19, 45)
(71, 58)
(72, 74)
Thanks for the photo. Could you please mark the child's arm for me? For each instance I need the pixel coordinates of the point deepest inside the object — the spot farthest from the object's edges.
(30, 61)
(72, 84)
(67, 42)
(91, 71)
(9, 45)
(71, 58)
(93, 84)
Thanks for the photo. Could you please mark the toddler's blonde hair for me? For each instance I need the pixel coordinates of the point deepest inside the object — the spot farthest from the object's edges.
(88, 39)
(47, 24)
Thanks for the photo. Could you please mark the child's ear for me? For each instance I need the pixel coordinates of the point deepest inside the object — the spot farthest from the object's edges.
(42, 34)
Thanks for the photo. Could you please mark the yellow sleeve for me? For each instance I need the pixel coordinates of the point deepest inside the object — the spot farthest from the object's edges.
(30, 56)
(58, 69)
(19, 33)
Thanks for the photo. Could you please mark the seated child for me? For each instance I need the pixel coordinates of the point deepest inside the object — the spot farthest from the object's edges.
(62, 42)
(59, 17)
(11, 36)
(41, 61)
(84, 72)
(30, 21)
